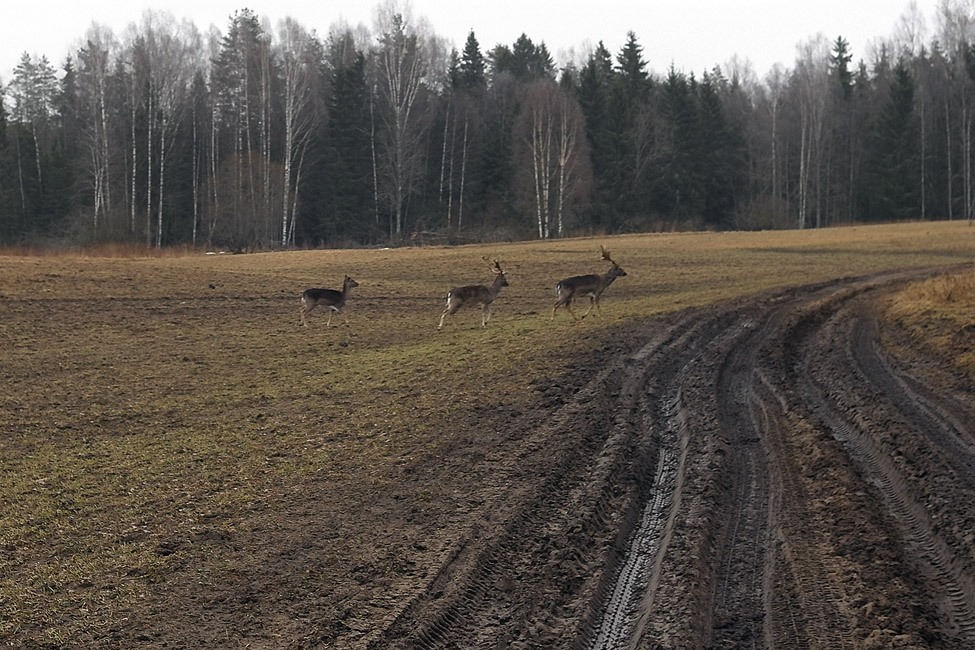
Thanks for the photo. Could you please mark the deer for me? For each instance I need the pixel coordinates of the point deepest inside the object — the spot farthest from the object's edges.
(586, 285)
(476, 294)
(329, 298)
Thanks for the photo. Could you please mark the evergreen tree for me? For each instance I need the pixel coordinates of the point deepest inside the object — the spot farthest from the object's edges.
(839, 66)
(593, 92)
(845, 134)
(345, 206)
(472, 68)
(894, 191)
(678, 186)
(34, 91)
(634, 80)
(630, 134)
(524, 60)
(719, 149)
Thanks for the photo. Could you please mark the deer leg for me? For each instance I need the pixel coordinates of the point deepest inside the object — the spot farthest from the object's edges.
(305, 310)
(592, 301)
(329, 322)
(568, 306)
(443, 316)
(485, 315)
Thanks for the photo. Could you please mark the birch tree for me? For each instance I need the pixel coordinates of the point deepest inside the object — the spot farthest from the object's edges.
(812, 87)
(95, 64)
(401, 65)
(554, 152)
(301, 114)
(174, 49)
(955, 20)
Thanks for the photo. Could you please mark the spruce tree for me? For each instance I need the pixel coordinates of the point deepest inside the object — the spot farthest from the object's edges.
(594, 96)
(472, 68)
(343, 208)
(894, 191)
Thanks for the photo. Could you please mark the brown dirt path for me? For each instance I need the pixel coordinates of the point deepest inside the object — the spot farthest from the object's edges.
(762, 473)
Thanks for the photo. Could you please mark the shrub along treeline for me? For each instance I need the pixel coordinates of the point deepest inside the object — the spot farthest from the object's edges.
(260, 138)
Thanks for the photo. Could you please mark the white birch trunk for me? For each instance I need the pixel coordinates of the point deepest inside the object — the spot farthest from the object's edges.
(463, 175)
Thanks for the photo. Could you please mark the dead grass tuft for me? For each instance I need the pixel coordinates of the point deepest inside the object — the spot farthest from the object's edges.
(940, 314)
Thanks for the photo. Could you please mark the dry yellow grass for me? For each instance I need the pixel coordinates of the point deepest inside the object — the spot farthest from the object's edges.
(940, 314)
(148, 397)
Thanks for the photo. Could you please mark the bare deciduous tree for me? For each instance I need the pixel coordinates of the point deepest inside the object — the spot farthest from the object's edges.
(812, 85)
(402, 64)
(554, 154)
(302, 114)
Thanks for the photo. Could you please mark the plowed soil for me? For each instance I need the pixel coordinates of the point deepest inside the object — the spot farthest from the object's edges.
(782, 471)
(757, 474)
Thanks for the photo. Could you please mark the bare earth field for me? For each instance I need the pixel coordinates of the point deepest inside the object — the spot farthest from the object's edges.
(763, 441)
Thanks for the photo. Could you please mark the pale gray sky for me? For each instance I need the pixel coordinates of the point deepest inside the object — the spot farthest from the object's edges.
(694, 35)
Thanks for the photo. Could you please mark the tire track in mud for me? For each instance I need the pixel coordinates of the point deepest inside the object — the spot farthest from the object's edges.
(640, 568)
(902, 440)
(707, 491)
(938, 416)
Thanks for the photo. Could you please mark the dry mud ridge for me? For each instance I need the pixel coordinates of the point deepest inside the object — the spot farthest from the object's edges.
(774, 472)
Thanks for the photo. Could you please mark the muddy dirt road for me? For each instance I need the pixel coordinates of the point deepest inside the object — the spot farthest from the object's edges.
(779, 472)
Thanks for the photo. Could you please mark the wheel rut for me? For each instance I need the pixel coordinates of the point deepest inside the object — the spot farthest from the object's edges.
(760, 474)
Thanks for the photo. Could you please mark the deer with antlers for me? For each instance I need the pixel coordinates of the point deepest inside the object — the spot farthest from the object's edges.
(329, 298)
(591, 285)
(476, 294)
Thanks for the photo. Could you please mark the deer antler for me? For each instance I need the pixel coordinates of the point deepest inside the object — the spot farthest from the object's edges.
(496, 266)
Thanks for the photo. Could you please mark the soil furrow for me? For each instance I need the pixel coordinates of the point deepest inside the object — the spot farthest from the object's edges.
(732, 482)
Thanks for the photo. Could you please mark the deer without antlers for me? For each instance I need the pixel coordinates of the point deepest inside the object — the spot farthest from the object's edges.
(586, 285)
(476, 294)
(329, 298)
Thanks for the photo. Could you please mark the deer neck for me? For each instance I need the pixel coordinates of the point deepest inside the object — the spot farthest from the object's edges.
(607, 278)
(344, 293)
(496, 287)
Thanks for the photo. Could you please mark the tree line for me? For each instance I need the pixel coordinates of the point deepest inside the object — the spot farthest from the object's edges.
(259, 138)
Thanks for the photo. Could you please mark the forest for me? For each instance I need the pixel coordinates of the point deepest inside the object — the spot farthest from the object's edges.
(274, 137)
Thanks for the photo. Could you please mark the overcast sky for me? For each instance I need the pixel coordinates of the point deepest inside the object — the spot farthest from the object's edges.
(693, 35)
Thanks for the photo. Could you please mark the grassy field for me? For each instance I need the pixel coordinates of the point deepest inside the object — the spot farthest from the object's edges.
(147, 398)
